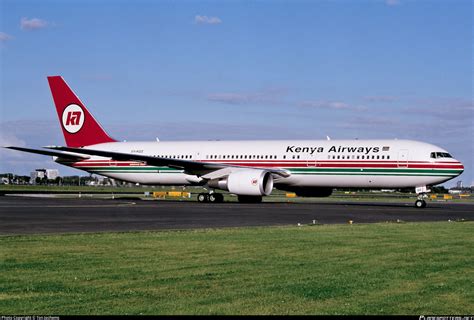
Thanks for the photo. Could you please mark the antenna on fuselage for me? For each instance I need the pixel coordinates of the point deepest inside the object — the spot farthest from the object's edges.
(327, 137)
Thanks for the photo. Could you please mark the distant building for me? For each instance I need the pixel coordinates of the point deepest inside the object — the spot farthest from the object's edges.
(52, 174)
(49, 174)
(460, 189)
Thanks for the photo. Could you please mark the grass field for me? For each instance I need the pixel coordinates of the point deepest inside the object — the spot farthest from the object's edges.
(419, 268)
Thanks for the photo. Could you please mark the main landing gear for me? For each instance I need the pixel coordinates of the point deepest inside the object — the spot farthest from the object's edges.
(422, 194)
(210, 197)
(219, 198)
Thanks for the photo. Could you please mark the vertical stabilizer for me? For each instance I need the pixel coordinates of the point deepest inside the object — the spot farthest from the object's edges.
(78, 125)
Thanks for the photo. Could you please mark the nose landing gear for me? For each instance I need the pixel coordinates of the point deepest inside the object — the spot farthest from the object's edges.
(422, 194)
(420, 203)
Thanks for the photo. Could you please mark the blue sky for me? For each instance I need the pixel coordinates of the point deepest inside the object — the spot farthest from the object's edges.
(240, 70)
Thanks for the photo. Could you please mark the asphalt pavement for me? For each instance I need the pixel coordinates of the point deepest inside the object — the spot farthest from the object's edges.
(29, 215)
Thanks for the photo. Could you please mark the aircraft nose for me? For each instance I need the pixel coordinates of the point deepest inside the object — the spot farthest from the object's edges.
(460, 166)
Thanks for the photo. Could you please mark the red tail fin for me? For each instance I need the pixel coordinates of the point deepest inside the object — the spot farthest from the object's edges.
(79, 126)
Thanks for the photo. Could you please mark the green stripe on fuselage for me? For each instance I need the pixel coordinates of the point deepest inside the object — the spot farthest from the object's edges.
(296, 171)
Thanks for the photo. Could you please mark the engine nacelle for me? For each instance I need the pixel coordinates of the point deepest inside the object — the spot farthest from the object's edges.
(246, 182)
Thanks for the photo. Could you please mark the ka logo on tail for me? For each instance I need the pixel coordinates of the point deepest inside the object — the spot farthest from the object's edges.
(73, 118)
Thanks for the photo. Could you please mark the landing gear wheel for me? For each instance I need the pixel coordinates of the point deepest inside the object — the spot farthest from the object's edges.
(249, 199)
(216, 197)
(420, 203)
(203, 197)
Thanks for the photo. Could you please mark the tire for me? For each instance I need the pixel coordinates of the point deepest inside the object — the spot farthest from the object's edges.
(213, 198)
(203, 197)
(249, 199)
(420, 204)
(216, 198)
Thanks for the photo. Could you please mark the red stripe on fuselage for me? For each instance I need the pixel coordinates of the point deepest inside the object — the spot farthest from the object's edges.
(289, 163)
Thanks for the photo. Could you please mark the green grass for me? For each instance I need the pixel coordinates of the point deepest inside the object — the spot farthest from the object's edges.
(414, 268)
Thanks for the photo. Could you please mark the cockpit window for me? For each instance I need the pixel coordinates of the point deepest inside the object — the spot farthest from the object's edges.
(436, 155)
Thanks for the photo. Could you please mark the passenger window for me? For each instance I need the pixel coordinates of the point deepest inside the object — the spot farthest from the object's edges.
(284, 157)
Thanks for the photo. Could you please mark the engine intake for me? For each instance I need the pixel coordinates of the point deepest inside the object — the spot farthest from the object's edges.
(246, 182)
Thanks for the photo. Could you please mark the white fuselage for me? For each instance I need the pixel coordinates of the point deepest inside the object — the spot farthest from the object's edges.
(311, 163)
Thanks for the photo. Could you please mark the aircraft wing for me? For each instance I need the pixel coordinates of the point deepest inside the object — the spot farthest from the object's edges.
(191, 167)
(63, 155)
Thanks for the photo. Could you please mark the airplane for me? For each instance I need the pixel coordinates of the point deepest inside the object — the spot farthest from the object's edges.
(248, 169)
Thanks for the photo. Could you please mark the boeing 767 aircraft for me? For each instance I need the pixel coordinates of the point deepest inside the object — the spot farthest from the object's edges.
(249, 169)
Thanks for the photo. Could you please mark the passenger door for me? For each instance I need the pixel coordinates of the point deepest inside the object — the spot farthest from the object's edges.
(403, 158)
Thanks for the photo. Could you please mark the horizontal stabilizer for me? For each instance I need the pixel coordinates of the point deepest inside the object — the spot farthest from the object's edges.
(59, 154)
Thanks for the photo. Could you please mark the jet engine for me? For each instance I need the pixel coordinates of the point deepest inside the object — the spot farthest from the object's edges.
(246, 182)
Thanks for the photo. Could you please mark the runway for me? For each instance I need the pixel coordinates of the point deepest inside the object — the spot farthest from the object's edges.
(23, 215)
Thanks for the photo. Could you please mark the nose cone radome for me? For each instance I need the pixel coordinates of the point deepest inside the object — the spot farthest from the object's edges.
(461, 168)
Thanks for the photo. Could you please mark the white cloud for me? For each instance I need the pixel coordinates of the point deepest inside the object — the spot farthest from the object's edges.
(207, 20)
(266, 96)
(5, 37)
(230, 98)
(380, 99)
(334, 105)
(32, 24)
